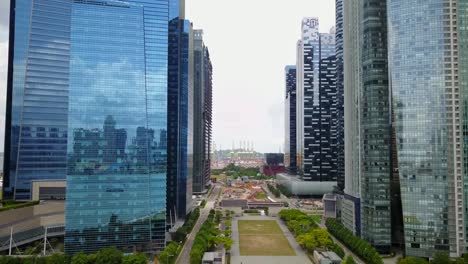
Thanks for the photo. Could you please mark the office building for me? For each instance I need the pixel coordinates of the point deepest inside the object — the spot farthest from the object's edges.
(316, 105)
(339, 102)
(290, 132)
(116, 174)
(375, 127)
(180, 147)
(203, 86)
(351, 206)
(425, 80)
(207, 116)
(37, 95)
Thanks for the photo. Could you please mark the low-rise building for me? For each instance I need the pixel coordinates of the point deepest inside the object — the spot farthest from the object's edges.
(326, 257)
(213, 257)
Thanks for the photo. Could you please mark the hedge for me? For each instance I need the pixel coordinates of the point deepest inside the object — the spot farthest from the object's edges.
(10, 206)
(360, 247)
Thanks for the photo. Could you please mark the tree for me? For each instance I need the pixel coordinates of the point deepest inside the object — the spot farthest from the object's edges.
(79, 258)
(441, 258)
(57, 259)
(109, 256)
(412, 260)
(137, 258)
(349, 260)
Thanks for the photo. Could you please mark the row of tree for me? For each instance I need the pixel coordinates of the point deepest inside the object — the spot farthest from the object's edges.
(438, 258)
(172, 250)
(307, 233)
(274, 191)
(208, 238)
(360, 247)
(104, 256)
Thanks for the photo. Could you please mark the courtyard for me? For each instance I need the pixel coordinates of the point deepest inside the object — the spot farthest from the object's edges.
(263, 238)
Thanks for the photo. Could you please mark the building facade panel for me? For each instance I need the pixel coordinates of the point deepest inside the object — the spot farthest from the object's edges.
(116, 175)
(290, 120)
(425, 86)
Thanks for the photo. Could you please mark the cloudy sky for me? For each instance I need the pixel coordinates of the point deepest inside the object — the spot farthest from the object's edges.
(250, 42)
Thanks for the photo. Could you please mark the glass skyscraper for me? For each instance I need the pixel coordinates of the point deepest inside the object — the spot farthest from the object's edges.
(339, 117)
(116, 175)
(202, 114)
(316, 105)
(290, 160)
(424, 72)
(37, 95)
(180, 119)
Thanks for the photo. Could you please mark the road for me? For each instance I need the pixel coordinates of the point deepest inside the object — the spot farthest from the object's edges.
(184, 256)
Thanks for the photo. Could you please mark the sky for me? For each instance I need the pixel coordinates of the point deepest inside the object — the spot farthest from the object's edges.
(250, 43)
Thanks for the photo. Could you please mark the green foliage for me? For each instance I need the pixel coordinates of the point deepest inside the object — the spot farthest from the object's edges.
(11, 204)
(274, 191)
(57, 259)
(338, 250)
(316, 238)
(203, 203)
(170, 253)
(109, 256)
(79, 258)
(412, 260)
(297, 222)
(284, 191)
(137, 258)
(441, 258)
(349, 260)
(183, 231)
(360, 247)
(207, 238)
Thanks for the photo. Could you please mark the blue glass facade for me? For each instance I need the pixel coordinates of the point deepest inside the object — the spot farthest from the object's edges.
(37, 92)
(116, 176)
(180, 119)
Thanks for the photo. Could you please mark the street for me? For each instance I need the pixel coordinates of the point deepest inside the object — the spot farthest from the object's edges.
(184, 256)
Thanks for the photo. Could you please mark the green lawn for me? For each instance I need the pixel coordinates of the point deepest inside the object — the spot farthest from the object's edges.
(260, 196)
(317, 218)
(263, 238)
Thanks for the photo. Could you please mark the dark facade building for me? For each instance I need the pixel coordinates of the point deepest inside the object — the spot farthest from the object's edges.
(181, 124)
(274, 158)
(339, 118)
(316, 99)
(207, 115)
(202, 114)
(290, 160)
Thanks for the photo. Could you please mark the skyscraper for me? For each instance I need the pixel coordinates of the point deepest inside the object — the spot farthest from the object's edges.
(316, 105)
(290, 120)
(351, 206)
(339, 117)
(202, 113)
(424, 66)
(180, 119)
(207, 114)
(116, 174)
(375, 126)
(37, 95)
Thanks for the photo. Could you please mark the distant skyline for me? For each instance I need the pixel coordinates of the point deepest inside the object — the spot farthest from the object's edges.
(250, 43)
